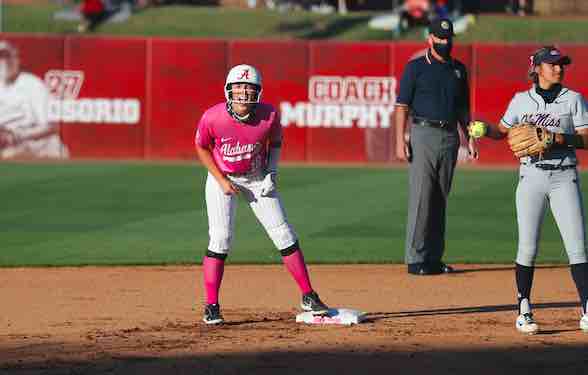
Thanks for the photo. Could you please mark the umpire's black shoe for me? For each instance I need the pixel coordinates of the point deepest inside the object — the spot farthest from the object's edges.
(311, 302)
(445, 268)
(423, 269)
(212, 314)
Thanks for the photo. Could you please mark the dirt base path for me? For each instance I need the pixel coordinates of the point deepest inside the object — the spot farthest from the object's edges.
(146, 320)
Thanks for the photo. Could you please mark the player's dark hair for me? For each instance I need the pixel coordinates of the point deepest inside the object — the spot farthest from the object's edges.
(533, 76)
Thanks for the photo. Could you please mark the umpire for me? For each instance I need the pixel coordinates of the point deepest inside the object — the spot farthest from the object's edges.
(434, 90)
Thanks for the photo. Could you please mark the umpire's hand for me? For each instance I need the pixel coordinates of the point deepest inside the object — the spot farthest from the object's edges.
(403, 149)
(473, 153)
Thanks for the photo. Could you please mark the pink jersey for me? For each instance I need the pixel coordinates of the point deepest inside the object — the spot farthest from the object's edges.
(239, 147)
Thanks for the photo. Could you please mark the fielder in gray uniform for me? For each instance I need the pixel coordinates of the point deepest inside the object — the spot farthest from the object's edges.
(550, 178)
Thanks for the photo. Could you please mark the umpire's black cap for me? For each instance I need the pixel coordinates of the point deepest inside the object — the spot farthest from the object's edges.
(441, 28)
(550, 55)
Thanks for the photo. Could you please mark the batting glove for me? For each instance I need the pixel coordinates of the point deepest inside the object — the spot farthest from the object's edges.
(268, 185)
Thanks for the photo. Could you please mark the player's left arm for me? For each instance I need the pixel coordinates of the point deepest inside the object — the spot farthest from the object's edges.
(579, 111)
(274, 146)
(274, 150)
(578, 140)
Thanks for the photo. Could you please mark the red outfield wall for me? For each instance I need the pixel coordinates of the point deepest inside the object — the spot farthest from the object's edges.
(142, 97)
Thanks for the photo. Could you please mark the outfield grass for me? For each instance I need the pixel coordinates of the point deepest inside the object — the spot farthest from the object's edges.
(204, 22)
(215, 22)
(509, 29)
(129, 213)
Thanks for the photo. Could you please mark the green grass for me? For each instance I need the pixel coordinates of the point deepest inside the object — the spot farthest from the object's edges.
(136, 213)
(501, 29)
(215, 22)
(205, 22)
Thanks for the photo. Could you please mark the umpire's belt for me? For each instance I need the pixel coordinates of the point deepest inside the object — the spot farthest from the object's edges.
(554, 167)
(433, 123)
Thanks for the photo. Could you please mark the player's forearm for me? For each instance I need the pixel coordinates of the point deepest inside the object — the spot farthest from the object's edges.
(571, 140)
(273, 157)
(496, 132)
(28, 132)
(206, 159)
(39, 133)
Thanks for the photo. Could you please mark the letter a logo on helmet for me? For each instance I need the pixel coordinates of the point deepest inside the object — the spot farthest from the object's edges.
(243, 74)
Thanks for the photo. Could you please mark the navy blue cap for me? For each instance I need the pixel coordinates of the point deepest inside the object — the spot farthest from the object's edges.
(550, 55)
(441, 28)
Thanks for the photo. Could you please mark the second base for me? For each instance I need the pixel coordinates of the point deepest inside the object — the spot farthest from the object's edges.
(334, 316)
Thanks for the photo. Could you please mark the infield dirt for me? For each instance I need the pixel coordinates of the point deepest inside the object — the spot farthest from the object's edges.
(147, 320)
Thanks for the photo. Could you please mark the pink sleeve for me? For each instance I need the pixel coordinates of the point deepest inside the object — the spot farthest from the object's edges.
(204, 137)
(276, 129)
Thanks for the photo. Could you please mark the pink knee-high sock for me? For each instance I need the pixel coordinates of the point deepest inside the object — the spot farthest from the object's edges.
(297, 268)
(213, 275)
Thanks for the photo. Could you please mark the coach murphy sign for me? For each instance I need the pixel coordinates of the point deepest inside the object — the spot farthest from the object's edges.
(342, 102)
(65, 106)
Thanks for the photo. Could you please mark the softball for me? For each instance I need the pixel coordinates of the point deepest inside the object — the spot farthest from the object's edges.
(477, 129)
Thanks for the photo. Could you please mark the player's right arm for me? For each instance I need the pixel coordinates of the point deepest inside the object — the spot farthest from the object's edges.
(497, 132)
(207, 160)
(204, 142)
(509, 119)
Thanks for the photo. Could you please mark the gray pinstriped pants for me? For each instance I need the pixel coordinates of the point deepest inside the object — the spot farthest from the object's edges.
(434, 155)
(561, 189)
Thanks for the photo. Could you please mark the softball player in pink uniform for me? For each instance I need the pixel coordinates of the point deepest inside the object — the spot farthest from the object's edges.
(239, 142)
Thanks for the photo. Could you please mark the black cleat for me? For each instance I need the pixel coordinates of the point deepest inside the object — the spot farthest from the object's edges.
(445, 268)
(212, 314)
(311, 302)
(423, 269)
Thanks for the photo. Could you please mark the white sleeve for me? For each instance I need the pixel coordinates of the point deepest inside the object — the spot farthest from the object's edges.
(35, 105)
(511, 116)
(39, 96)
(580, 113)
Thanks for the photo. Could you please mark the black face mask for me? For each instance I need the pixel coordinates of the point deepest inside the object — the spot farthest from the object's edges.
(443, 50)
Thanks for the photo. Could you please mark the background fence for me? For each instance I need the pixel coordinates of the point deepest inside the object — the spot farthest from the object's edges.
(142, 97)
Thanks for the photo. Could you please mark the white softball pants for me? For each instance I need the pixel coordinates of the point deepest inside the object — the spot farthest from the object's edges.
(268, 210)
(561, 189)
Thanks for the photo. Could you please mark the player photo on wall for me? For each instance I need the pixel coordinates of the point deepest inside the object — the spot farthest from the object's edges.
(25, 129)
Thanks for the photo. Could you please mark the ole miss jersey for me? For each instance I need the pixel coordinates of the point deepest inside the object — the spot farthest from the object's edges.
(567, 114)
